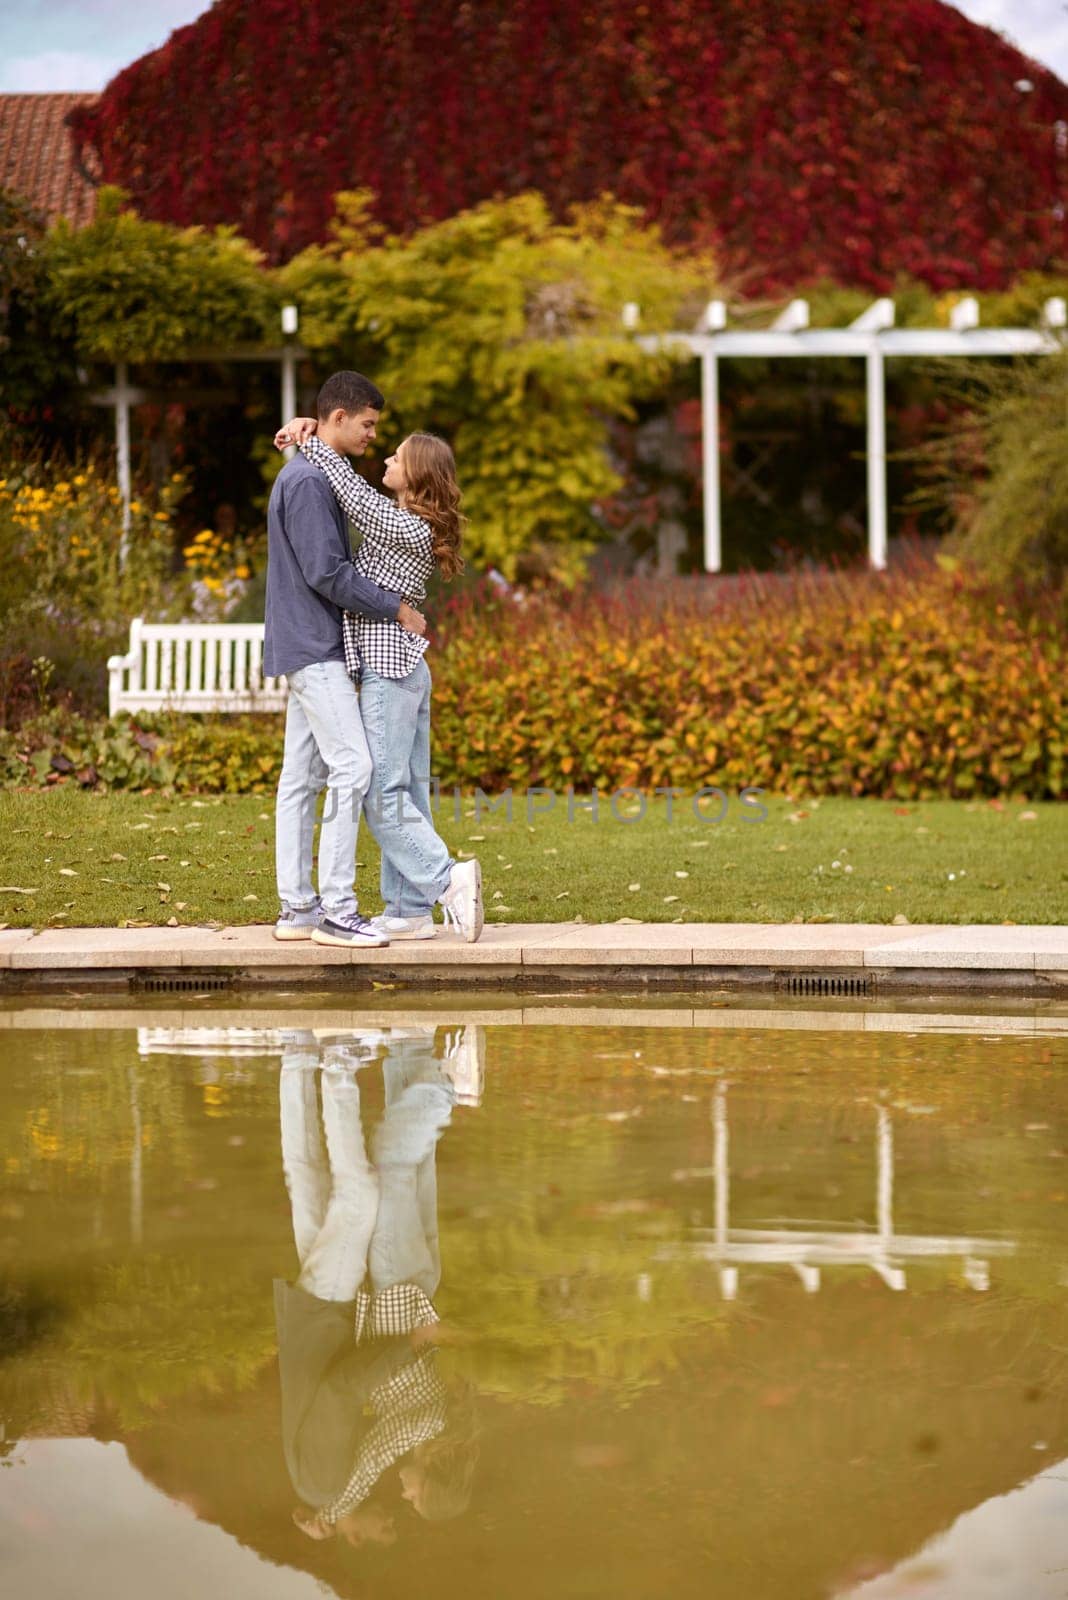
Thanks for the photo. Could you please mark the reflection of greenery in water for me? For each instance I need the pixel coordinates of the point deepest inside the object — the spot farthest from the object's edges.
(144, 1215)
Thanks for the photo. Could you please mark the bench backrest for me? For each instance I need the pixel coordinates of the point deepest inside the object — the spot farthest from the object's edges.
(192, 666)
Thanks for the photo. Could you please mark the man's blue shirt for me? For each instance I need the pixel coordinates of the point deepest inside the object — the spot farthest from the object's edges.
(310, 576)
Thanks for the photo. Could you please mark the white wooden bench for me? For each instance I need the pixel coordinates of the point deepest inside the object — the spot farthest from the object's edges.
(193, 666)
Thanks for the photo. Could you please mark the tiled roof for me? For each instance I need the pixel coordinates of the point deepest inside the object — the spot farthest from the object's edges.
(37, 157)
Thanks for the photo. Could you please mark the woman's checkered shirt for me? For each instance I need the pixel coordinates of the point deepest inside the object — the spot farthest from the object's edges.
(409, 1407)
(396, 553)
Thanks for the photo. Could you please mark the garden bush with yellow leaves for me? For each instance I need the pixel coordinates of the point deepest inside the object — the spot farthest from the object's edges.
(70, 579)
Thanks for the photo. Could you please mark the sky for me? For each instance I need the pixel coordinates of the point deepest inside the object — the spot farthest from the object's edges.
(81, 44)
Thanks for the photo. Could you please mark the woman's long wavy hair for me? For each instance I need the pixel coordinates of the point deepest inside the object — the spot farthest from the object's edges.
(434, 494)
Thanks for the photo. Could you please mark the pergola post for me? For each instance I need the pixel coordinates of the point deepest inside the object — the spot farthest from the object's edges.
(123, 396)
(710, 458)
(290, 322)
(876, 376)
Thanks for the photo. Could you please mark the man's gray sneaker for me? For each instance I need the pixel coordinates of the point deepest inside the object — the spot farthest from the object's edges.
(404, 927)
(462, 900)
(295, 924)
(353, 930)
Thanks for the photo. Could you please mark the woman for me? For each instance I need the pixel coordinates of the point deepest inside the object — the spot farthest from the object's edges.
(402, 543)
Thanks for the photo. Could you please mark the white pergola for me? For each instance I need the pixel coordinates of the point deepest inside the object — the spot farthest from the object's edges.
(879, 1248)
(123, 396)
(872, 337)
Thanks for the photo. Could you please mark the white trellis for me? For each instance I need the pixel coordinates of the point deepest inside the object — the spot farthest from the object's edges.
(872, 337)
(123, 396)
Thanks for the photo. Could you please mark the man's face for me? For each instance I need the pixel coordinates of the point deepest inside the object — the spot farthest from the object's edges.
(356, 430)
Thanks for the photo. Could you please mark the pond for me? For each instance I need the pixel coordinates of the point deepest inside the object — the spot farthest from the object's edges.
(624, 1299)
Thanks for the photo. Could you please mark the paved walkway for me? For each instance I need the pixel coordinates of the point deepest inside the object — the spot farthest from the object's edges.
(742, 951)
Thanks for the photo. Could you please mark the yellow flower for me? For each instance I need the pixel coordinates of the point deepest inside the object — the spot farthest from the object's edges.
(242, 572)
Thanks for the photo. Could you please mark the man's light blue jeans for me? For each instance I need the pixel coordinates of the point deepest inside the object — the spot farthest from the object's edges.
(416, 863)
(325, 747)
(352, 1217)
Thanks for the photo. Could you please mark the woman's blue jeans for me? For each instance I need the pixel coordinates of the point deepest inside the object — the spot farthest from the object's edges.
(416, 863)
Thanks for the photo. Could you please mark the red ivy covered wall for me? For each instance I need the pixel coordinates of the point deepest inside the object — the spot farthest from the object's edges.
(850, 138)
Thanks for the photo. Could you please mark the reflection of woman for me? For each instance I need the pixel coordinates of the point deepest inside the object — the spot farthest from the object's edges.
(360, 1386)
(407, 541)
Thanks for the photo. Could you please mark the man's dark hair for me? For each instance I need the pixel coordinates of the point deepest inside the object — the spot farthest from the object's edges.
(349, 391)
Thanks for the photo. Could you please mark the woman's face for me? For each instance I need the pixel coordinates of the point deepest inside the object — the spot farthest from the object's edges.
(394, 476)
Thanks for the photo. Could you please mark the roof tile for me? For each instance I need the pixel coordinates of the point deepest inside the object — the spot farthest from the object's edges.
(37, 155)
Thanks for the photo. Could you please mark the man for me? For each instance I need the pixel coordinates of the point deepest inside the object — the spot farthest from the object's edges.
(310, 582)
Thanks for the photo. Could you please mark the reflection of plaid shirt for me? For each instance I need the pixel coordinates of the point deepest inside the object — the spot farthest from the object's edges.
(396, 552)
(409, 1406)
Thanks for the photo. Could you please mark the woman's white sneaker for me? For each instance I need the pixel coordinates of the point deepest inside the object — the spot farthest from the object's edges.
(404, 927)
(462, 900)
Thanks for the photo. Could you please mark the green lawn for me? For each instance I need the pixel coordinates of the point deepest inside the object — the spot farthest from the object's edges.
(68, 858)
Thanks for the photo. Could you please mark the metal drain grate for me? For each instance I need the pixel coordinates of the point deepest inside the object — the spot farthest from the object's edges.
(822, 984)
(155, 983)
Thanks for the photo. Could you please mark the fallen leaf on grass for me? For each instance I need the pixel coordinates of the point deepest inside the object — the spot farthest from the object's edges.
(250, 897)
(67, 872)
(132, 922)
(116, 857)
(565, 894)
(159, 858)
(11, 889)
(633, 887)
(375, 985)
(1027, 816)
(682, 874)
(670, 899)
(164, 888)
(172, 922)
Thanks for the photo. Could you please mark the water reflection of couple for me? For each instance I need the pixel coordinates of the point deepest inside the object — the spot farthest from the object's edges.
(358, 1332)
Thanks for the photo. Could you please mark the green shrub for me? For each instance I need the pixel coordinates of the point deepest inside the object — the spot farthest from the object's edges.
(1014, 523)
(501, 328)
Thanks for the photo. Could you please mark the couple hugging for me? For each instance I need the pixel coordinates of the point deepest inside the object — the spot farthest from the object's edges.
(337, 624)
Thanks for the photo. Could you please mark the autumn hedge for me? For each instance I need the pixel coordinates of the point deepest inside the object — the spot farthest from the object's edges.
(909, 685)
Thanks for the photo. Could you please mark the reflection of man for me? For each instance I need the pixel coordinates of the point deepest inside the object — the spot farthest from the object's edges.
(358, 1331)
